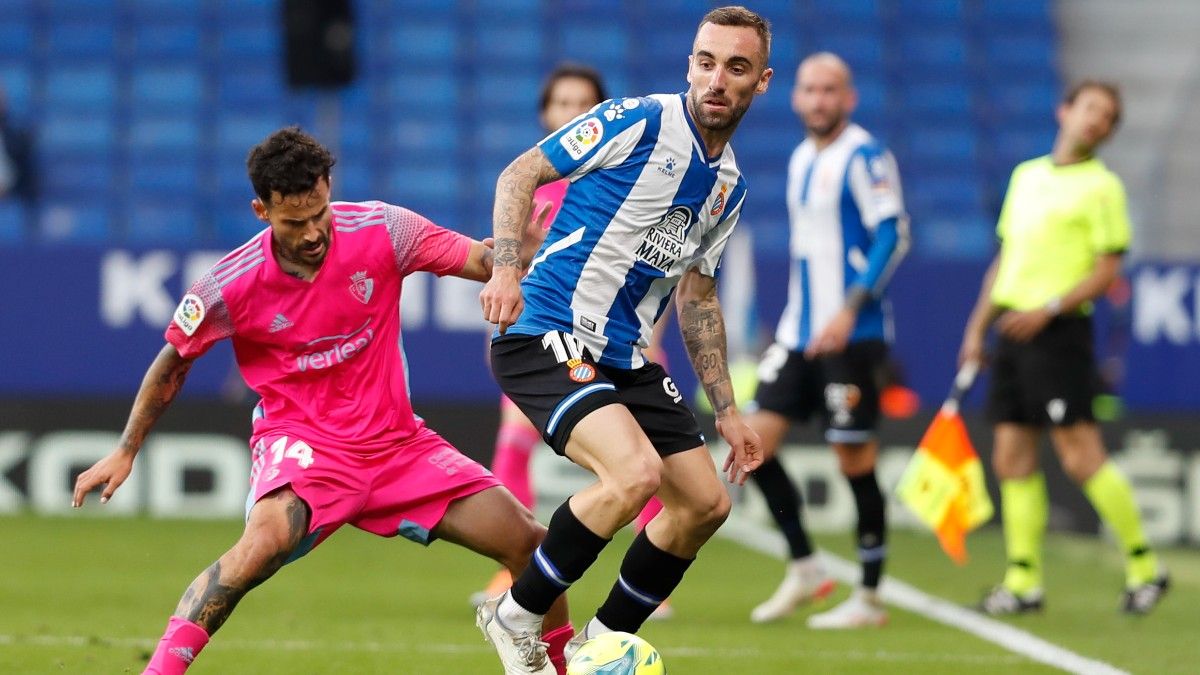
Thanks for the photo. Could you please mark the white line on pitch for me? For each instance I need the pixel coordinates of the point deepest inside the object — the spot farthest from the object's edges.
(893, 591)
(448, 648)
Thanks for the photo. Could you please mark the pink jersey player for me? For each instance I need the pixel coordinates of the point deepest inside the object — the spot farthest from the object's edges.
(312, 306)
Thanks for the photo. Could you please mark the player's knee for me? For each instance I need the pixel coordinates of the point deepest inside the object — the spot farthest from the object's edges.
(706, 510)
(637, 481)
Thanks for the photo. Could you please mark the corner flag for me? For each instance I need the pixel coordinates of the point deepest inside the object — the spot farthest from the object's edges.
(943, 483)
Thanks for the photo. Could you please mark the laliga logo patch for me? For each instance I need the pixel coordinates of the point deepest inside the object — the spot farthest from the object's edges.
(719, 203)
(578, 141)
(361, 286)
(580, 372)
(189, 314)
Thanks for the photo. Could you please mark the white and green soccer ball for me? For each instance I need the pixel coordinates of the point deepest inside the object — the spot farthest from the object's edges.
(616, 654)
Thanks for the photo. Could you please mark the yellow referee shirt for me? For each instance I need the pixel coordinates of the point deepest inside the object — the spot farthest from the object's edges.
(1055, 222)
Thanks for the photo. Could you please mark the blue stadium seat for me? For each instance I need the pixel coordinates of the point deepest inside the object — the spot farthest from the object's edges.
(248, 86)
(235, 224)
(955, 238)
(84, 39)
(81, 88)
(429, 180)
(598, 43)
(162, 176)
(165, 133)
(512, 92)
(16, 38)
(238, 132)
(158, 9)
(154, 40)
(944, 50)
(863, 50)
(17, 85)
(943, 99)
(76, 133)
(12, 222)
(423, 42)
(240, 40)
(352, 179)
(424, 137)
(931, 10)
(509, 41)
(1020, 52)
(944, 144)
(1021, 101)
(70, 10)
(166, 222)
(172, 87)
(73, 222)
(16, 10)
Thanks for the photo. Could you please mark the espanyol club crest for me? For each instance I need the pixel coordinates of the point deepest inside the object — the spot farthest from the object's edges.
(361, 286)
(580, 372)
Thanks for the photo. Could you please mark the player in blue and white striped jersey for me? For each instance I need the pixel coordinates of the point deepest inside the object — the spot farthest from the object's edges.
(849, 231)
(655, 194)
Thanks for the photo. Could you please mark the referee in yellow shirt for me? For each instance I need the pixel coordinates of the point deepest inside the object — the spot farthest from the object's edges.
(1063, 229)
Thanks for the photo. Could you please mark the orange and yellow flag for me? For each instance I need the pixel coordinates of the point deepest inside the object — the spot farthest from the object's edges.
(943, 483)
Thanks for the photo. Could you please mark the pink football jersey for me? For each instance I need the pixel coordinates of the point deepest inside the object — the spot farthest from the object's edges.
(324, 355)
(552, 193)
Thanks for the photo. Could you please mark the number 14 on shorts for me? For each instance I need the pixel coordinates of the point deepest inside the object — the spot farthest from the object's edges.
(275, 454)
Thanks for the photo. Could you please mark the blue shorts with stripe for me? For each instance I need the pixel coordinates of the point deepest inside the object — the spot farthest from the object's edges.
(556, 384)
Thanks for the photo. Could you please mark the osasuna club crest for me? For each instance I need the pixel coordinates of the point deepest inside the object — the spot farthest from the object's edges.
(361, 286)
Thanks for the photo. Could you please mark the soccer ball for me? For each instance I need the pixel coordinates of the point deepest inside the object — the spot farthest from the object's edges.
(616, 654)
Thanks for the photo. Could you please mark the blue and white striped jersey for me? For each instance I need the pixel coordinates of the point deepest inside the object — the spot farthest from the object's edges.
(645, 204)
(848, 228)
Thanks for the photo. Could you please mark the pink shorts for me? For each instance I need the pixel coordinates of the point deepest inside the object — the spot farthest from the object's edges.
(405, 491)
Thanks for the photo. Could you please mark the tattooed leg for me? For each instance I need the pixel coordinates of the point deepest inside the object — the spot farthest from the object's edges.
(276, 526)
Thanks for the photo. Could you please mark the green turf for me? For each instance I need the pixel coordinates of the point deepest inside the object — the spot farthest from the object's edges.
(92, 595)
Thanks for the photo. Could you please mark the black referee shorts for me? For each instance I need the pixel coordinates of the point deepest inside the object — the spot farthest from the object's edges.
(556, 383)
(1050, 380)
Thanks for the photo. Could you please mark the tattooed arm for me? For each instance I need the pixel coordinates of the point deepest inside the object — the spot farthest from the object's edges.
(501, 297)
(703, 330)
(162, 382)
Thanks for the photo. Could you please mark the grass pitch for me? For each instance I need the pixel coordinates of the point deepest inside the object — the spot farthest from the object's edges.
(91, 595)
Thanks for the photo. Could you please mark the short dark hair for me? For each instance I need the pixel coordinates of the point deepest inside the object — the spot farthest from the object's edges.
(289, 162)
(736, 15)
(1110, 88)
(576, 70)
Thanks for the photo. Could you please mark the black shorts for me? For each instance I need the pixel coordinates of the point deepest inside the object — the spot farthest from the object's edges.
(844, 388)
(556, 383)
(1050, 380)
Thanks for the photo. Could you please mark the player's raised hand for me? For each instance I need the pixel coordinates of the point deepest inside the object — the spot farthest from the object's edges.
(745, 447)
(110, 471)
(501, 299)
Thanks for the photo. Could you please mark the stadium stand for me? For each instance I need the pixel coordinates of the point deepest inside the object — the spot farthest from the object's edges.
(145, 100)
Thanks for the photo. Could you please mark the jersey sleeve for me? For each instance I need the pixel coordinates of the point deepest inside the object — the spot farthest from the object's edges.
(1006, 208)
(421, 246)
(875, 184)
(604, 136)
(708, 257)
(201, 319)
(1109, 219)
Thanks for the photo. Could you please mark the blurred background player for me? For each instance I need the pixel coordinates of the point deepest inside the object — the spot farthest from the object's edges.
(569, 91)
(17, 180)
(848, 232)
(656, 193)
(1063, 231)
(309, 345)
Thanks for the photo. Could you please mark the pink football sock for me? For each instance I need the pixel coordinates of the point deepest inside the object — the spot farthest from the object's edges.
(558, 639)
(179, 646)
(514, 445)
(650, 510)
